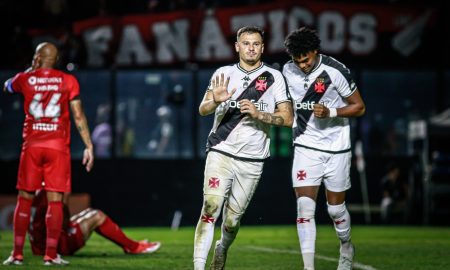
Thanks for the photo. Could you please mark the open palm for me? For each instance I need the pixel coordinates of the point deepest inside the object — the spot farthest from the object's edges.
(220, 89)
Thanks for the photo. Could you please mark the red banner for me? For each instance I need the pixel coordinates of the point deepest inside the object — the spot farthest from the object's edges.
(360, 32)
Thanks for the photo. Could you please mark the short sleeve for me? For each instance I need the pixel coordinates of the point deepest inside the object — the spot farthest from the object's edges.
(344, 83)
(73, 86)
(216, 73)
(281, 92)
(15, 85)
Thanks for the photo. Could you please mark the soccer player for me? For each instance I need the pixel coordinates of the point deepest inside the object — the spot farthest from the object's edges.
(78, 228)
(247, 98)
(45, 158)
(324, 97)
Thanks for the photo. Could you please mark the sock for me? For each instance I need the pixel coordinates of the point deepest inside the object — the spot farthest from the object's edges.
(20, 224)
(228, 236)
(341, 220)
(306, 229)
(53, 222)
(204, 232)
(112, 232)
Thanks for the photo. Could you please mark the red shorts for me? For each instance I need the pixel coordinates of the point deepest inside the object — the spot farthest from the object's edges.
(71, 240)
(44, 168)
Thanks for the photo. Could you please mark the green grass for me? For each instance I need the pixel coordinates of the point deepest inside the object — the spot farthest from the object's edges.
(264, 247)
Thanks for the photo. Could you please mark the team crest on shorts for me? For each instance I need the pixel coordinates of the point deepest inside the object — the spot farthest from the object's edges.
(301, 175)
(213, 182)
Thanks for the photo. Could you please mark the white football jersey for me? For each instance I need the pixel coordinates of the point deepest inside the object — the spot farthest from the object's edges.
(238, 135)
(329, 83)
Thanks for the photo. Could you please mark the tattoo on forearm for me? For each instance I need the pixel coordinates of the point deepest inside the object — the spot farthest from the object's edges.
(271, 119)
(80, 128)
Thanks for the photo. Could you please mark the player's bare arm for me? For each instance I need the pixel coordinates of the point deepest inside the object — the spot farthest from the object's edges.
(83, 128)
(355, 108)
(217, 95)
(283, 115)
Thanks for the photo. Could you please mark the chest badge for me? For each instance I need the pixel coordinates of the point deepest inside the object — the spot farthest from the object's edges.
(319, 85)
(261, 84)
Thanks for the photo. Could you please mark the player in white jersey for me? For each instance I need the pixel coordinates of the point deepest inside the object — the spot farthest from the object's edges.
(324, 96)
(246, 98)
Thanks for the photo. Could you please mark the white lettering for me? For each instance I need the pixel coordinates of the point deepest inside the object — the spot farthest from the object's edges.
(212, 44)
(298, 17)
(45, 127)
(260, 106)
(132, 48)
(363, 37)
(309, 105)
(276, 19)
(177, 40)
(334, 22)
(97, 44)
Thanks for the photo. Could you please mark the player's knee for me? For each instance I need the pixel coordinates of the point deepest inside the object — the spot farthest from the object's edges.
(336, 211)
(100, 216)
(212, 205)
(306, 207)
(231, 220)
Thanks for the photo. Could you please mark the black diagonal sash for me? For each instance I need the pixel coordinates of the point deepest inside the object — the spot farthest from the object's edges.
(311, 95)
(233, 116)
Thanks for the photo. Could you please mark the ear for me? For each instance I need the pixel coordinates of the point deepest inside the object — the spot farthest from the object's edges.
(236, 46)
(262, 48)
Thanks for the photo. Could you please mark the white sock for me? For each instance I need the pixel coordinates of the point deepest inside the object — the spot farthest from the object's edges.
(306, 229)
(199, 264)
(204, 234)
(341, 221)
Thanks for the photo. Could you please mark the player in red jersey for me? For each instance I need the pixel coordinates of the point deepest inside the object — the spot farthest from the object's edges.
(45, 158)
(78, 228)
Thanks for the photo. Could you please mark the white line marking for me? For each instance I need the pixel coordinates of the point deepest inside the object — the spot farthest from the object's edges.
(356, 265)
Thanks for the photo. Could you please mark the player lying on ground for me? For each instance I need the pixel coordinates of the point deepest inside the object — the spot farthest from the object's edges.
(78, 228)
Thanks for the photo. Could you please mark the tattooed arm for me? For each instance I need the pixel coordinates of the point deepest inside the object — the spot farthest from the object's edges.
(81, 123)
(283, 115)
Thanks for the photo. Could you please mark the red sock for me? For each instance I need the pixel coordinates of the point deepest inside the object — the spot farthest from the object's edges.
(112, 231)
(53, 222)
(20, 224)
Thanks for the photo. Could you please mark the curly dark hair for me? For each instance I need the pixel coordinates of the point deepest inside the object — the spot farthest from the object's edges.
(250, 30)
(301, 41)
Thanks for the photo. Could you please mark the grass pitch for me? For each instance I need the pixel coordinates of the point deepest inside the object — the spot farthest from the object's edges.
(264, 247)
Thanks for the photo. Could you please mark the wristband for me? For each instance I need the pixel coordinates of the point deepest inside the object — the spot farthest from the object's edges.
(333, 112)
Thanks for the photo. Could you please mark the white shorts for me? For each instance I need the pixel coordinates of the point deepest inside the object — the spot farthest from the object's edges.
(310, 167)
(231, 178)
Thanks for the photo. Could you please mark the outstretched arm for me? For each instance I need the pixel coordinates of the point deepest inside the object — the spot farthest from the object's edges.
(283, 115)
(83, 128)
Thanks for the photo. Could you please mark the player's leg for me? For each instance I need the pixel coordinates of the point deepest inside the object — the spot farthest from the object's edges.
(337, 181)
(53, 224)
(57, 181)
(216, 185)
(29, 179)
(242, 189)
(307, 173)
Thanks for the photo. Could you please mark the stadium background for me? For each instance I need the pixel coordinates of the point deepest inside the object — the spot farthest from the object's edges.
(144, 83)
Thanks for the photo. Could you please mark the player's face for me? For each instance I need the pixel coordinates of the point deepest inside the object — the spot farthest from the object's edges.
(250, 47)
(306, 62)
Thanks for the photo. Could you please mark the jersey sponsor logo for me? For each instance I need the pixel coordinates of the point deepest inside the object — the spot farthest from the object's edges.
(246, 79)
(213, 182)
(32, 80)
(45, 127)
(260, 106)
(301, 175)
(46, 87)
(309, 105)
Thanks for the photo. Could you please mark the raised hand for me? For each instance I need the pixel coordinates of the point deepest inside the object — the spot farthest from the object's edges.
(220, 89)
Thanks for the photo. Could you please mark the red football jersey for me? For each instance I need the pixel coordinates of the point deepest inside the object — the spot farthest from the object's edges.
(47, 93)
